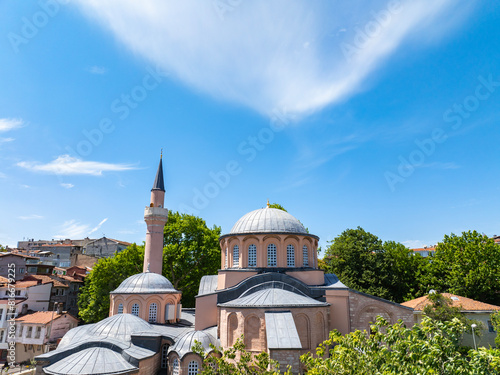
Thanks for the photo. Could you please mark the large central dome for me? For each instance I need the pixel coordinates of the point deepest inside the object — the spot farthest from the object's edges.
(268, 220)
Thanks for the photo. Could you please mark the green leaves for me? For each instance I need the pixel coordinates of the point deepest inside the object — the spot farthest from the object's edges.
(427, 348)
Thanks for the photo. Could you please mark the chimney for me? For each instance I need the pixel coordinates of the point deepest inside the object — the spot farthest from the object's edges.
(24, 309)
(60, 308)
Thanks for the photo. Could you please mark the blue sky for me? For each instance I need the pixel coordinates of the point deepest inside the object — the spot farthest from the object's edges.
(376, 114)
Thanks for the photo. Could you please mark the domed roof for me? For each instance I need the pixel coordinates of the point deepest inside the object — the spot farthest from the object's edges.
(146, 282)
(92, 361)
(184, 345)
(266, 220)
(119, 327)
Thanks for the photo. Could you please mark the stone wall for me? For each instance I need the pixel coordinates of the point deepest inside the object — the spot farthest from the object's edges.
(287, 358)
(365, 309)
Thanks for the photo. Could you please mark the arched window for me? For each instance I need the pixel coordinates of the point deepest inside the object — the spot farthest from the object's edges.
(175, 367)
(271, 255)
(193, 368)
(305, 255)
(232, 329)
(164, 359)
(236, 256)
(120, 309)
(153, 308)
(252, 256)
(225, 256)
(290, 256)
(135, 309)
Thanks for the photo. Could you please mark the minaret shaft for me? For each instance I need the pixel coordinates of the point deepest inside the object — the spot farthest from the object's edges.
(155, 217)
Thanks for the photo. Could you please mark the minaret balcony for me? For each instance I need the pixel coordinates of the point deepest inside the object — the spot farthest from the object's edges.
(156, 213)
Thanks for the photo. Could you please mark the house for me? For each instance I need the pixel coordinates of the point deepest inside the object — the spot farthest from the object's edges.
(427, 251)
(38, 332)
(269, 289)
(472, 309)
(104, 247)
(14, 265)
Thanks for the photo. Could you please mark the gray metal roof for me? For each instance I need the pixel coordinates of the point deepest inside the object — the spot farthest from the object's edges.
(145, 283)
(184, 345)
(273, 294)
(208, 284)
(333, 282)
(268, 220)
(158, 184)
(95, 360)
(281, 331)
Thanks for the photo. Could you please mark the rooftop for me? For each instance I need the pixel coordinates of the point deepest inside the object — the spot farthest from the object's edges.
(466, 304)
(145, 282)
(41, 317)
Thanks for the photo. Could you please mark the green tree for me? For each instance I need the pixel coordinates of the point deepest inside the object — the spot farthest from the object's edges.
(107, 274)
(357, 258)
(191, 250)
(495, 320)
(431, 347)
(468, 265)
(278, 206)
(223, 362)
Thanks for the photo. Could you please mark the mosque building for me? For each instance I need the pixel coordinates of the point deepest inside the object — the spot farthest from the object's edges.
(269, 289)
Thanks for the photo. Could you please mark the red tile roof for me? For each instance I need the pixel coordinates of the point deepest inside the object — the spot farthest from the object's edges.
(45, 280)
(430, 248)
(41, 317)
(466, 304)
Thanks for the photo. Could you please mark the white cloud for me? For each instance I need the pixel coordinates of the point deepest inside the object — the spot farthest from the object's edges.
(30, 217)
(416, 244)
(66, 185)
(266, 55)
(5, 140)
(97, 69)
(68, 165)
(72, 229)
(7, 124)
(98, 226)
(3, 175)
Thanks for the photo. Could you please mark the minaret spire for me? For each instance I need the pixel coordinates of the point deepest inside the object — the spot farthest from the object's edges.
(155, 216)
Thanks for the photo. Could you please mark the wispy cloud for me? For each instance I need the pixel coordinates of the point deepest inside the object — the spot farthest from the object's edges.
(68, 165)
(299, 63)
(72, 229)
(95, 229)
(30, 217)
(67, 185)
(415, 244)
(97, 69)
(7, 124)
(3, 175)
(5, 140)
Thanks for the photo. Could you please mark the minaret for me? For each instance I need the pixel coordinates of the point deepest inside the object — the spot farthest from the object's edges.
(155, 217)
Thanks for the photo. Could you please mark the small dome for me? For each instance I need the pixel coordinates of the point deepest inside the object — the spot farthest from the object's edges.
(92, 361)
(119, 327)
(146, 282)
(185, 344)
(266, 220)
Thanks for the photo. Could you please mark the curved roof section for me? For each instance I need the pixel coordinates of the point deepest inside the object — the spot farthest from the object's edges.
(95, 360)
(185, 344)
(273, 294)
(268, 220)
(145, 283)
(118, 327)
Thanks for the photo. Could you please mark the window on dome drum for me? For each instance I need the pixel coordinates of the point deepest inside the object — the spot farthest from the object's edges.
(152, 312)
(193, 368)
(120, 309)
(164, 358)
(225, 256)
(271, 255)
(252, 256)
(305, 255)
(290, 256)
(236, 256)
(135, 309)
(175, 367)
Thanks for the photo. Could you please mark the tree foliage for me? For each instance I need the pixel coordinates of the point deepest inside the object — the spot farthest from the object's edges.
(236, 361)
(278, 206)
(431, 347)
(107, 274)
(191, 250)
(468, 265)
